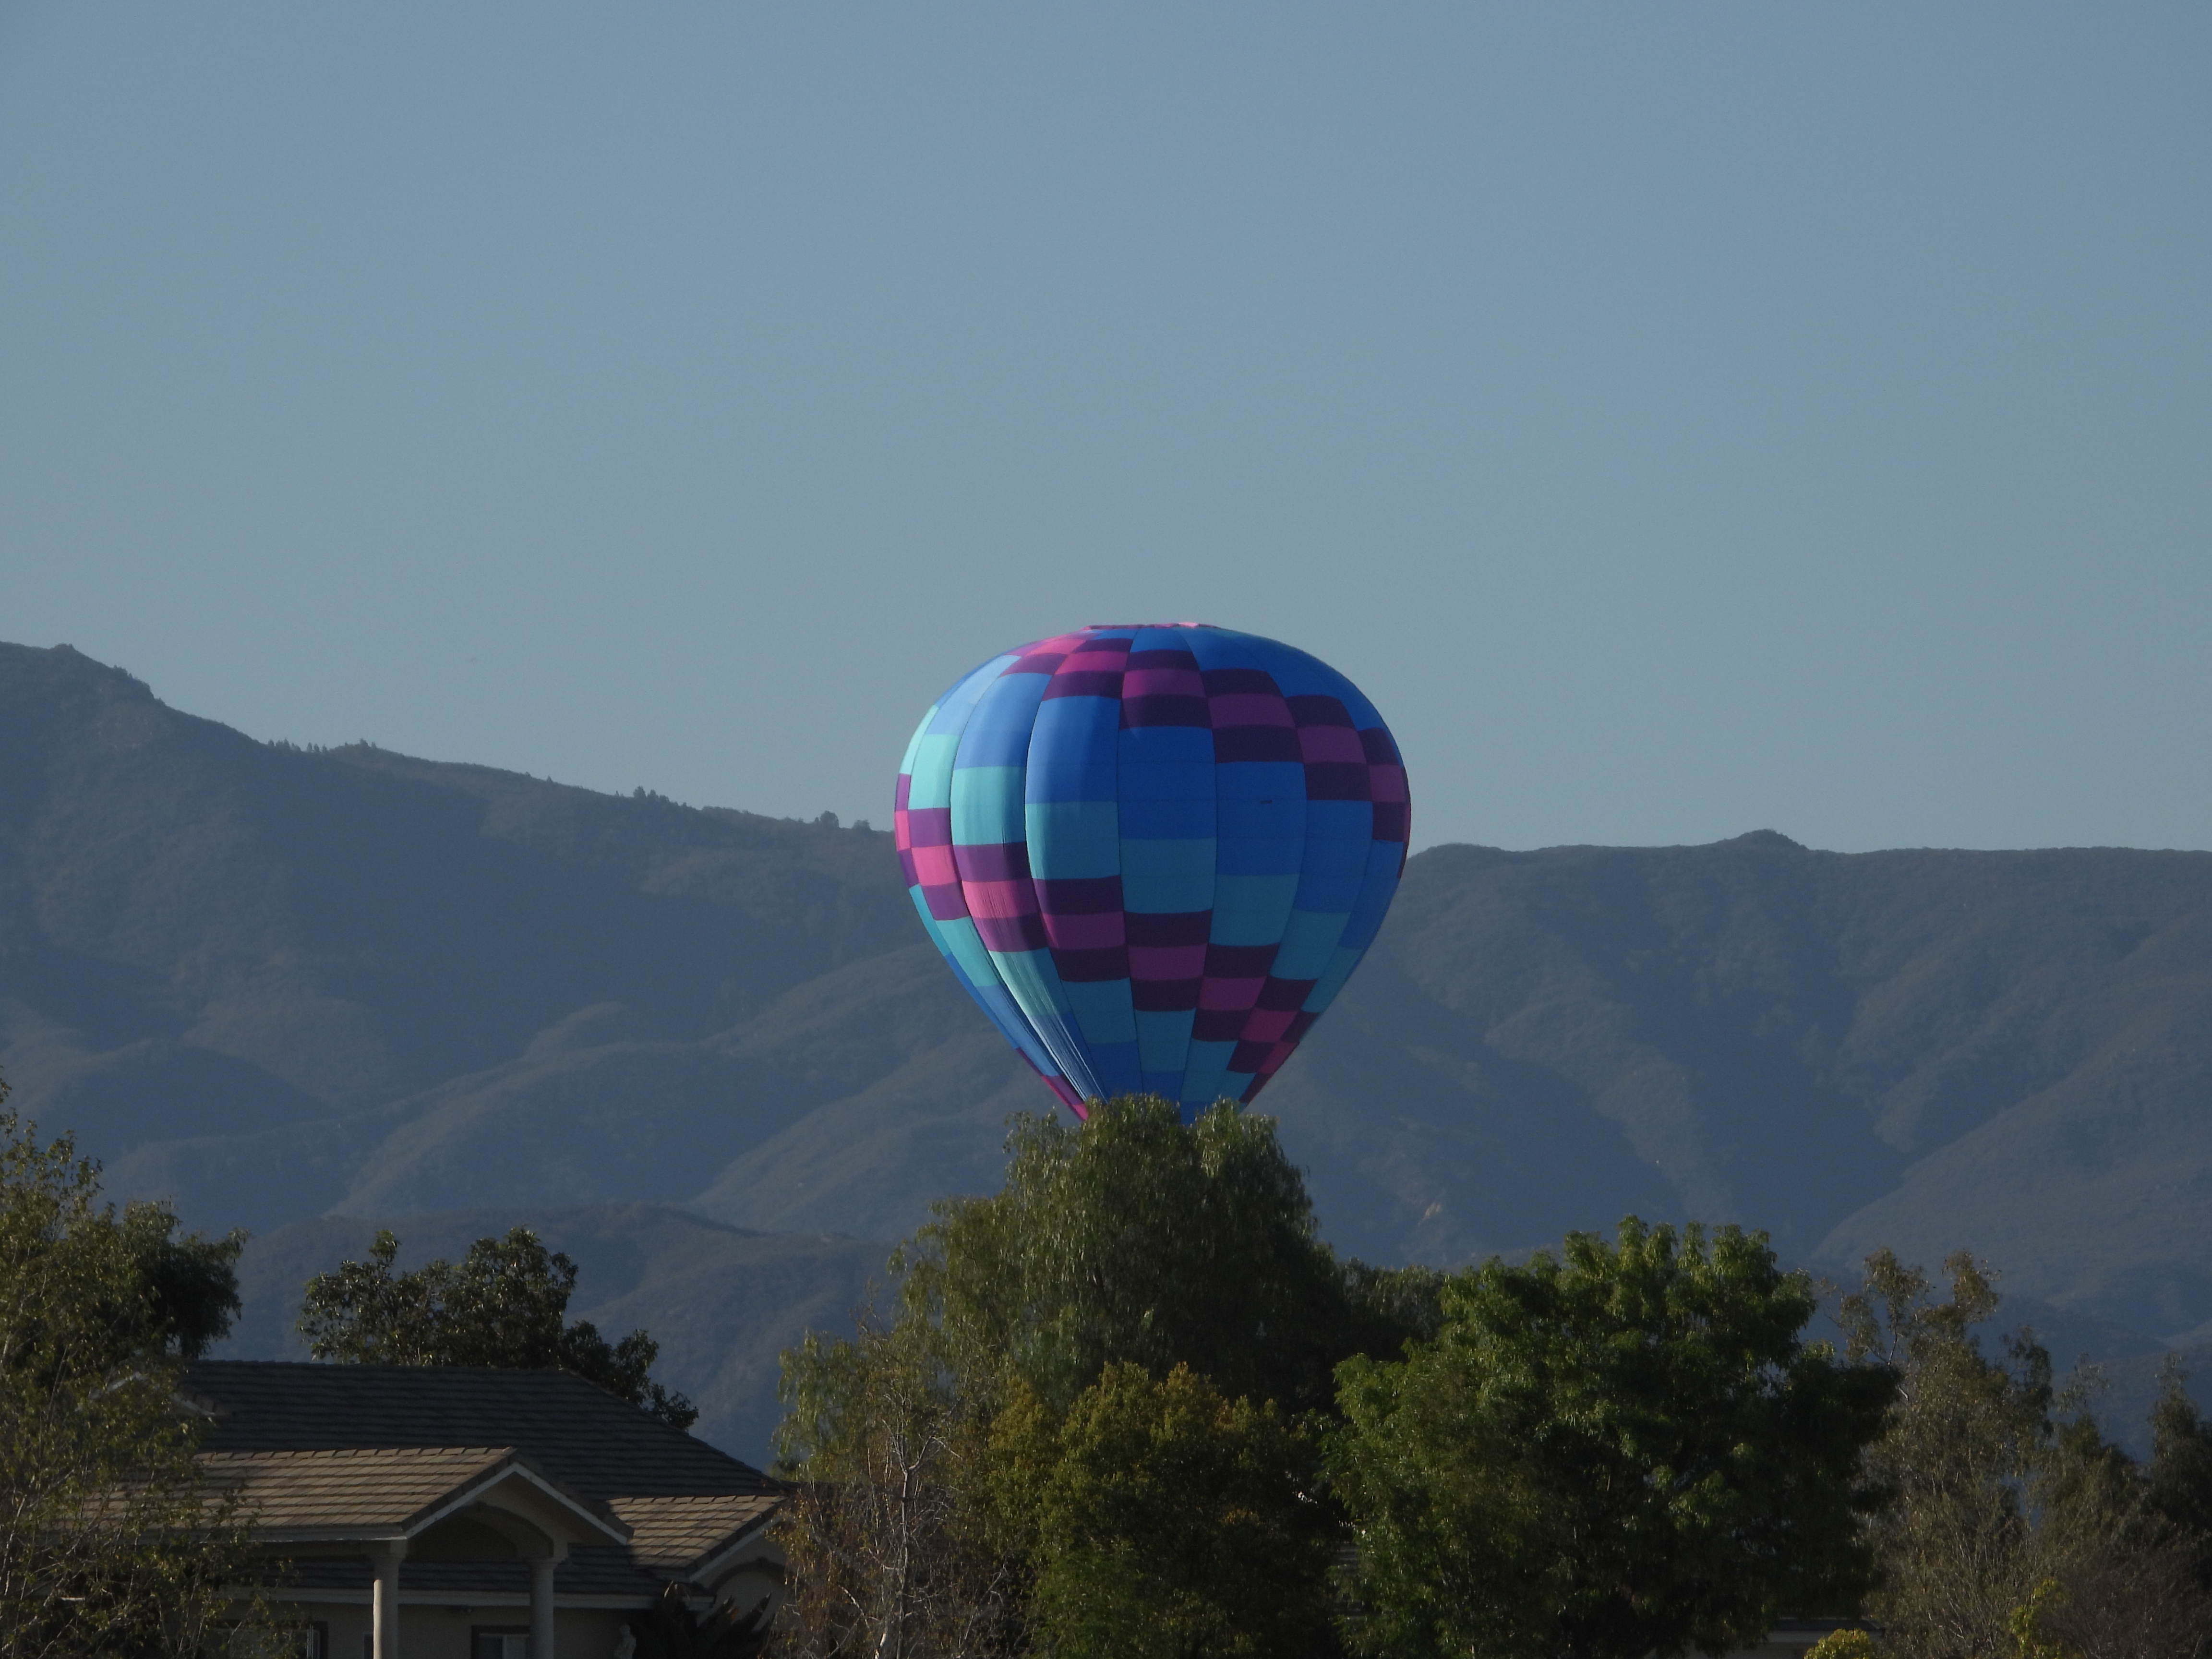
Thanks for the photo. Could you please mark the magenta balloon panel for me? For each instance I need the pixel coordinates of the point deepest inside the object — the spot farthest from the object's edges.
(1153, 853)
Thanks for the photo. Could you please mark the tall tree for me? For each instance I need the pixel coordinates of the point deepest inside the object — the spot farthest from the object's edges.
(111, 1539)
(1135, 1237)
(502, 1304)
(892, 1543)
(1956, 1455)
(2007, 1522)
(1134, 1240)
(1626, 1451)
(2180, 1474)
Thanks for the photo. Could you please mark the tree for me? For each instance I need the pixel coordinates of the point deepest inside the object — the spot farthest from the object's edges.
(1955, 1458)
(111, 1539)
(503, 1304)
(2008, 1523)
(190, 1283)
(1170, 1522)
(1137, 1238)
(1133, 1240)
(1628, 1451)
(2180, 1474)
(891, 1545)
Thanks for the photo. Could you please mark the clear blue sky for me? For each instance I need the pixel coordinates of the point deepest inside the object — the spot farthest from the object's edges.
(1680, 419)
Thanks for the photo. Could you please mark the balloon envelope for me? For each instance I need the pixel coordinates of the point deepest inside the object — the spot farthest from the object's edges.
(1152, 854)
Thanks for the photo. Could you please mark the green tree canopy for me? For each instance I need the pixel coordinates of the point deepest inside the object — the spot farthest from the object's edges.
(110, 1542)
(502, 1304)
(1133, 1241)
(1137, 1238)
(1169, 1522)
(1630, 1450)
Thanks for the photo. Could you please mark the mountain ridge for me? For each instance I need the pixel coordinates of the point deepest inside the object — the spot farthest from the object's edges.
(277, 984)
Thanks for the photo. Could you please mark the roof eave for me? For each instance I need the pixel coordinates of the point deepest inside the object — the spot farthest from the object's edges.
(708, 1563)
(610, 1527)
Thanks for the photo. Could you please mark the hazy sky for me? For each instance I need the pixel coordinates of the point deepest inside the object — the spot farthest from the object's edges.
(1680, 419)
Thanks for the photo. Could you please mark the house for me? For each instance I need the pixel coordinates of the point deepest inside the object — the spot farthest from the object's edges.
(467, 1513)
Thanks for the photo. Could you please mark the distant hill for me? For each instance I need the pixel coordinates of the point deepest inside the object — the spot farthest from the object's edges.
(271, 982)
(278, 984)
(2008, 1051)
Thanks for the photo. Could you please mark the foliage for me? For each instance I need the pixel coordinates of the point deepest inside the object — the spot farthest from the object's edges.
(670, 1629)
(1136, 1242)
(1844, 1644)
(1955, 1459)
(888, 1536)
(1170, 1523)
(2009, 1527)
(2120, 1603)
(1136, 1237)
(1386, 1308)
(191, 1283)
(1627, 1451)
(503, 1304)
(2179, 1479)
(2031, 1637)
(110, 1541)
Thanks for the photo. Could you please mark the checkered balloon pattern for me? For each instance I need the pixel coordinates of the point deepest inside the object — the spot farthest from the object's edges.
(1153, 853)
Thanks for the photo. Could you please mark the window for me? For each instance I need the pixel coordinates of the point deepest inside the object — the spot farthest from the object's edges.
(499, 1642)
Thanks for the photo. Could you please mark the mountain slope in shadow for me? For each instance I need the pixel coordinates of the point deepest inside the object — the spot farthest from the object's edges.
(275, 984)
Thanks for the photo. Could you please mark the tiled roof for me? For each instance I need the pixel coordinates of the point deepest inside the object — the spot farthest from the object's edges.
(684, 1498)
(664, 1531)
(372, 1491)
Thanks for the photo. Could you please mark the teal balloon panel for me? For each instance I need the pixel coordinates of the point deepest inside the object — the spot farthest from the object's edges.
(1153, 853)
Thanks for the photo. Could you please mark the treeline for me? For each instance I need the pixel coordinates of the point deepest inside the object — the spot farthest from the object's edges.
(1131, 1405)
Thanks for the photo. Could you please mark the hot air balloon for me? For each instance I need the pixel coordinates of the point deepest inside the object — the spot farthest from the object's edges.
(1152, 854)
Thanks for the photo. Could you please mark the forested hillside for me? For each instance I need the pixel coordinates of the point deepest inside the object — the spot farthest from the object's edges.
(276, 984)
(2011, 1051)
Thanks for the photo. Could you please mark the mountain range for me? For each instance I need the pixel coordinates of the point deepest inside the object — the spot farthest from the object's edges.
(309, 991)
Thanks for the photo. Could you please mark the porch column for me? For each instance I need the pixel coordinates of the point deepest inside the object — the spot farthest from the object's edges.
(384, 1600)
(541, 1609)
